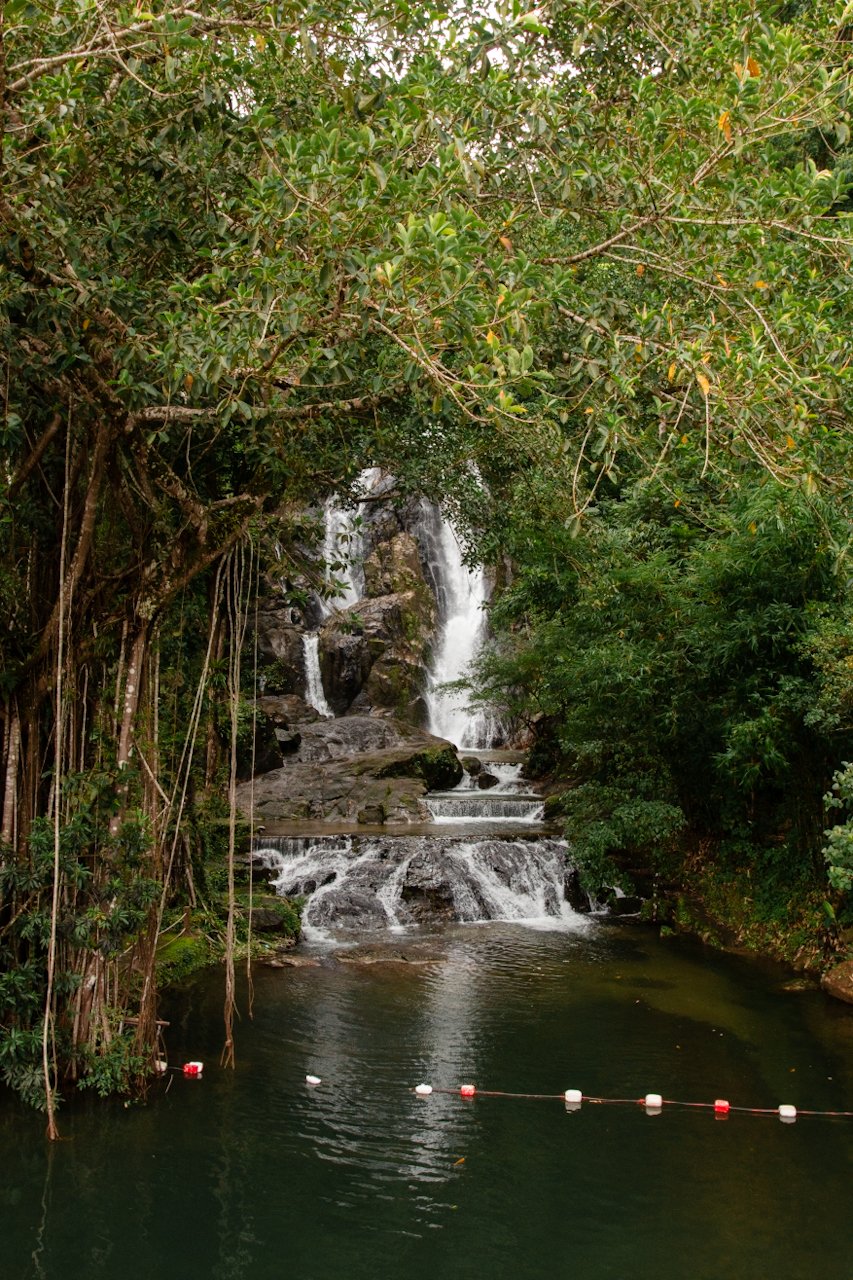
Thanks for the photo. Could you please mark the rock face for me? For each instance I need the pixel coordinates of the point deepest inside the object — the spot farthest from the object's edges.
(280, 651)
(839, 981)
(359, 768)
(275, 734)
(373, 655)
(286, 711)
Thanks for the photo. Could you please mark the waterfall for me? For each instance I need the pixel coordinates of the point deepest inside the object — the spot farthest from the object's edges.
(483, 805)
(461, 594)
(314, 694)
(343, 539)
(354, 882)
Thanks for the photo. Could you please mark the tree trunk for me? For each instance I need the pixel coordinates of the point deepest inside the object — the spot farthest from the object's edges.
(10, 794)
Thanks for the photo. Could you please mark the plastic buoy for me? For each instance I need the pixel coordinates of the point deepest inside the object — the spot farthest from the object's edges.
(312, 1080)
(467, 1091)
(193, 1068)
(787, 1114)
(721, 1106)
(574, 1095)
(423, 1088)
(161, 1066)
(654, 1100)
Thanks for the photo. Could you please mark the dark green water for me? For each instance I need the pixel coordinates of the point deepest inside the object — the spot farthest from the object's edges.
(254, 1175)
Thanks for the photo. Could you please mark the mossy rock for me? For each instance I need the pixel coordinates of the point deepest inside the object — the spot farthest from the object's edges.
(553, 807)
(181, 956)
(439, 767)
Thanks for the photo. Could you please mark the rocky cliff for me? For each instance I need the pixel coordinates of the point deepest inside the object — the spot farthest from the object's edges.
(374, 654)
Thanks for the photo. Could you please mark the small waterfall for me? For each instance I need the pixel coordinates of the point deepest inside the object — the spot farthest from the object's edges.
(342, 540)
(461, 594)
(314, 694)
(447, 806)
(510, 781)
(357, 882)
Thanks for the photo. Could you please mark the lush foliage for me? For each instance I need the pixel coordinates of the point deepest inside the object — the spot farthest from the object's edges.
(582, 272)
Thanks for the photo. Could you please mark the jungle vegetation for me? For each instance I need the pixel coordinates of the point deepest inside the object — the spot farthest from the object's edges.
(579, 272)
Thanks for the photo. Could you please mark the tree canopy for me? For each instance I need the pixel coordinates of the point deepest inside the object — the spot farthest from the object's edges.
(580, 272)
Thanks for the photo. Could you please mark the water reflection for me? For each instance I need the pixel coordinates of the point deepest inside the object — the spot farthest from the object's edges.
(253, 1174)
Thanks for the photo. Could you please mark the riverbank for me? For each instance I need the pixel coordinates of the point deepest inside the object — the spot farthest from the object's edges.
(195, 940)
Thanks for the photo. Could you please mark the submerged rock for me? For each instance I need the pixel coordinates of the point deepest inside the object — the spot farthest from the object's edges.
(838, 982)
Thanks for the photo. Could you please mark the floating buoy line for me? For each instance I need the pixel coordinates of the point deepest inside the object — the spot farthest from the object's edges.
(653, 1103)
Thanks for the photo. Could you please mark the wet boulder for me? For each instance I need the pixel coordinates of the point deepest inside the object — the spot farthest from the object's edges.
(266, 921)
(378, 648)
(286, 711)
(575, 895)
(394, 567)
(437, 765)
(345, 661)
(838, 982)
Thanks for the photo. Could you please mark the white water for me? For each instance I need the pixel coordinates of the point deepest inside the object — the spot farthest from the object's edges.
(314, 693)
(510, 781)
(483, 806)
(343, 540)
(461, 594)
(360, 882)
(375, 882)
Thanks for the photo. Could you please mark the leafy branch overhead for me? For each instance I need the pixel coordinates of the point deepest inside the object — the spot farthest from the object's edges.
(530, 262)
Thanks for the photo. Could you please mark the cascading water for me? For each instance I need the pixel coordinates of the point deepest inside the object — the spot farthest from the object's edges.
(314, 694)
(356, 882)
(508, 797)
(393, 881)
(461, 594)
(342, 540)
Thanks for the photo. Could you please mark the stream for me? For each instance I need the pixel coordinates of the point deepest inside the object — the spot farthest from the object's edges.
(256, 1175)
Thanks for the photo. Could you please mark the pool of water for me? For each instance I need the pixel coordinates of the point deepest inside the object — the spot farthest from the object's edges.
(252, 1174)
